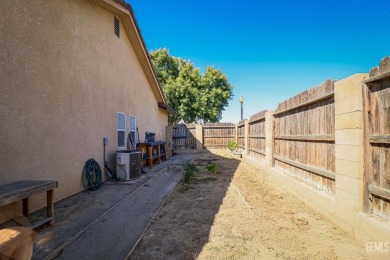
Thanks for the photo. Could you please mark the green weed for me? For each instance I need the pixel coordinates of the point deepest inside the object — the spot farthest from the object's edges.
(189, 172)
(212, 167)
(232, 146)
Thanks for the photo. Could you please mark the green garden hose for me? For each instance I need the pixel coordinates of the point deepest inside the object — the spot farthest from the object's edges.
(93, 175)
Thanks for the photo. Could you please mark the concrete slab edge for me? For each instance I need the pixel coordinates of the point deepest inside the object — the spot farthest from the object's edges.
(59, 249)
(150, 222)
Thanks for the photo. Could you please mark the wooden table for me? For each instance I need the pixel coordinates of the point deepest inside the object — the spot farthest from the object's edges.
(148, 147)
(23, 190)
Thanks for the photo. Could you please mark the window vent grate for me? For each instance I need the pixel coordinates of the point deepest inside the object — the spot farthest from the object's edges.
(116, 27)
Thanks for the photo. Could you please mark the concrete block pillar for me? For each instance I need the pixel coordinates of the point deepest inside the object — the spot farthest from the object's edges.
(246, 140)
(348, 95)
(199, 137)
(269, 138)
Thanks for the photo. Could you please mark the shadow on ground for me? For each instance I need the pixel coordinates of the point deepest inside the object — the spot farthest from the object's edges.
(108, 222)
(238, 213)
(182, 227)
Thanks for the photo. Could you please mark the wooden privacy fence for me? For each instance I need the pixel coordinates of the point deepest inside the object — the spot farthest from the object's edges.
(338, 131)
(377, 139)
(183, 137)
(241, 134)
(218, 135)
(329, 144)
(304, 137)
(309, 133)
(207, 136)
(257, 135)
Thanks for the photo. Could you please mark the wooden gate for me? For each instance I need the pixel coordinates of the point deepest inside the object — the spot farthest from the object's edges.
(183, 136)
(377, 140)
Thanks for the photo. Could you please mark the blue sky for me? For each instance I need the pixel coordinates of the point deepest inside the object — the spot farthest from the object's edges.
(270, 50)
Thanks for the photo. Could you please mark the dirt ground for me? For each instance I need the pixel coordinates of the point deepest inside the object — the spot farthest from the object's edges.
(238, 214)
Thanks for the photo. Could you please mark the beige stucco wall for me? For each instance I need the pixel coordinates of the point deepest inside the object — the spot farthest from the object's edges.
(64, 75)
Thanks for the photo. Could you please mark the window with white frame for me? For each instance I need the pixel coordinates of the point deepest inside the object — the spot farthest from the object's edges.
(132, 129)
(121, 128)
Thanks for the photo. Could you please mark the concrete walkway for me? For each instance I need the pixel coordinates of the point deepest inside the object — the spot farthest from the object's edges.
(107, 223)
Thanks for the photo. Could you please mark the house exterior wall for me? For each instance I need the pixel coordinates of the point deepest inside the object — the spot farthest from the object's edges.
(64, 75)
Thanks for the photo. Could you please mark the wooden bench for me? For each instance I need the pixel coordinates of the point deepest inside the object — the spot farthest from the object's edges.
(23, 190)
(147, 148)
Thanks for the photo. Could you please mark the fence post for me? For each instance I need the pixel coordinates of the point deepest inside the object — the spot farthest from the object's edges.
(199, 137)
(246, 140)
(269, 138)
(349, 157)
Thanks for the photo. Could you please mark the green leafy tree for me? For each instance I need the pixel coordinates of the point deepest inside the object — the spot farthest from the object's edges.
(194, 96)
(215, 92)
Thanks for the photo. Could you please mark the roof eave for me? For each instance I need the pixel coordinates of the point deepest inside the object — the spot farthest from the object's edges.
(170, 110)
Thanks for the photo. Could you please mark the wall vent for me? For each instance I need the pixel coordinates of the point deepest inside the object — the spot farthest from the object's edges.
(116, 27)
